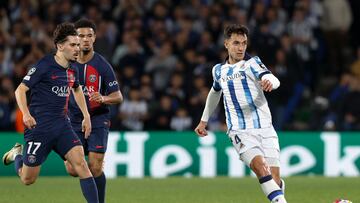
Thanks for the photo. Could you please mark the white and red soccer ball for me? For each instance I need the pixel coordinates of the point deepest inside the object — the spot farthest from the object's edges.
(342, 201)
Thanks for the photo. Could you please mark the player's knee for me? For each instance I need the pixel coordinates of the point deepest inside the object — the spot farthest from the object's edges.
(260, 168)
(96, 169)
(72, 173)
(80, 165)
(28, 180)
(70, 170)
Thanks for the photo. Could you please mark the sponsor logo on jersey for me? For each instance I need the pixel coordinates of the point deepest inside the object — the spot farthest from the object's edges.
(61, 91)
(113, 83)
(88, 89)
(232, 77)
(92, 78)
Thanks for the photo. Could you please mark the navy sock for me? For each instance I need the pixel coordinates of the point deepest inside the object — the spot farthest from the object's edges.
(89, 190)
(18, 163)
(101, 186)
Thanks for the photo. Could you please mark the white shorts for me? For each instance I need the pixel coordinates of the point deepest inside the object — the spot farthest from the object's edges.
(253, 142)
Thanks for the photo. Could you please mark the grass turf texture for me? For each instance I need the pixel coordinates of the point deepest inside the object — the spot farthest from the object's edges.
(180, 190)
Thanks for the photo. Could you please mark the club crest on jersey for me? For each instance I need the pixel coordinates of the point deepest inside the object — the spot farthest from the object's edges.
(31, 71)
(92, 78)
(32, 159)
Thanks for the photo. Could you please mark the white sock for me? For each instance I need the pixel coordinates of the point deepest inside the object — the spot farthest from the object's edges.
(271, 189)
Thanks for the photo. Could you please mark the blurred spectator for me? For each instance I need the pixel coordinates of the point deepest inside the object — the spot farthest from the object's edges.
(355, 65)
(350, 109)
(161, 115)
(175, 88)
(181, 121)
(335, 24)
(161, 65)
(133, 112)
(166, 49)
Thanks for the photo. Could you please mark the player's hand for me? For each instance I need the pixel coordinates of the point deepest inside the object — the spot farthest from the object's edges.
(29, 121)
(201, 129)
(97, 97)
(86, 126)
(266, 85)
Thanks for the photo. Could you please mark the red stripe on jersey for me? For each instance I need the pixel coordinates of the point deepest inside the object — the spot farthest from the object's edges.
(70, 76)
(92, 79)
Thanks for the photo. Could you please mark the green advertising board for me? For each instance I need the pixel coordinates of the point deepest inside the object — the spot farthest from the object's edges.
(163, 154)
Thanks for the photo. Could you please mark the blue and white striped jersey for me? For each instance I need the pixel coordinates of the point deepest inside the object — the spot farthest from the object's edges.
(244, 101)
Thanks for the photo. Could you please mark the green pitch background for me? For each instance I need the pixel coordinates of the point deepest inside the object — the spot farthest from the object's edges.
(180, 190)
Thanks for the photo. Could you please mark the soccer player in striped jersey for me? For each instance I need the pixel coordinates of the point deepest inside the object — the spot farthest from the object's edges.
(242, 80)
(101, 89)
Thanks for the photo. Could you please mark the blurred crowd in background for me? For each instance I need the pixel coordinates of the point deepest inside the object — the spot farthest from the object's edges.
(163, 51)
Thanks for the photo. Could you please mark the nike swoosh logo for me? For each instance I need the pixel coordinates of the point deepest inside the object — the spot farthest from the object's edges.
(54, 77)
(99, 147)
(76, 141)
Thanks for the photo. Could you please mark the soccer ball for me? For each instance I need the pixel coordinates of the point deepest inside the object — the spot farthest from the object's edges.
(342, 201)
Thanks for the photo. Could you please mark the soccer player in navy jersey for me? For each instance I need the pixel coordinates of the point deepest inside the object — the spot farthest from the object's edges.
(46, 120)
(101, 89)
(242, 80)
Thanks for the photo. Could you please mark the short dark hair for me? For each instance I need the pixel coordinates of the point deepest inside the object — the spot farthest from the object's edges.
(85, 23)
(235, 29)
(62, 31)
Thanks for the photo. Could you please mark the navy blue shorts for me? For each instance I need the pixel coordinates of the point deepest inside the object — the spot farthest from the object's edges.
(39, 141)
(97, 142)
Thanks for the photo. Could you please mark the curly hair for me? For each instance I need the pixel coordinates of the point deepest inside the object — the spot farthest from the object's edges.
(62, 31)
(85, 23)
(237, 29)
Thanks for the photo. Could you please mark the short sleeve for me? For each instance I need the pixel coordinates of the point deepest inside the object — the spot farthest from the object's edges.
(216, 73)
(258, 68)
(33, 75)
(111, 84)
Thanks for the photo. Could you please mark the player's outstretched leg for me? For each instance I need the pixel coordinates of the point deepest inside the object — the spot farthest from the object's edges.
(268, 185)
(27, 174)
(14, 155)
(77, 160)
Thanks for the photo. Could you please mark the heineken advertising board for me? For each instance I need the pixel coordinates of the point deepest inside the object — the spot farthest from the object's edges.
(163, 154)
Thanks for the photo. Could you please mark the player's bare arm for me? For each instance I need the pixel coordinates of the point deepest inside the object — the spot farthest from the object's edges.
(80, 101)
(113, 98)
(20, 95)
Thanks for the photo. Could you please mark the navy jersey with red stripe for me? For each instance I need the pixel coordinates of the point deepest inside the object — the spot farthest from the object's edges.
(97, 75)
(50, 85)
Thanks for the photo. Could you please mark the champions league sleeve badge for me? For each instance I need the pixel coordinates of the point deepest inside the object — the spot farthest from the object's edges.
(31, 71)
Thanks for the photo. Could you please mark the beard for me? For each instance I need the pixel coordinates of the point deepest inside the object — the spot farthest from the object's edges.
(86, 51)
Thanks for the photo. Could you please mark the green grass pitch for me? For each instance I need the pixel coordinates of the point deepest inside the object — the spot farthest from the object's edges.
(180, 190)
